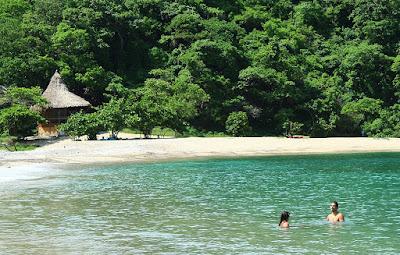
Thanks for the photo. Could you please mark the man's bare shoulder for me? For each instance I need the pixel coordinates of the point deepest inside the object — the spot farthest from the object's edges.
(334, 218)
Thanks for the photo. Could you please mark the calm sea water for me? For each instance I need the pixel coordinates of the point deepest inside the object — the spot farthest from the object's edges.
(224, 206)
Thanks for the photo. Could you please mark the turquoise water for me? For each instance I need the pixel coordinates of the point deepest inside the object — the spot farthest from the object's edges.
(224, 206)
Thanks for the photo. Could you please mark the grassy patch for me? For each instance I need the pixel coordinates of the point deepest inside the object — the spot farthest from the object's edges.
(18, 147)
(11, 144)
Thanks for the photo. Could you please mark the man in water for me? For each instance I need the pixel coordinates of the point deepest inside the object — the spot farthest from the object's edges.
(335, 215)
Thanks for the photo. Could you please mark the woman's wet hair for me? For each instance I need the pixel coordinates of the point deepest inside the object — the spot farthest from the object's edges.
(284, 217)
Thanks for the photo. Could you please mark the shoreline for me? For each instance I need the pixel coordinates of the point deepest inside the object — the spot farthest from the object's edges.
(66, 152)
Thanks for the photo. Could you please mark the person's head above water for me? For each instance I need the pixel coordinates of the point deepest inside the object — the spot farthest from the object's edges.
(334, 206)
(284, 218)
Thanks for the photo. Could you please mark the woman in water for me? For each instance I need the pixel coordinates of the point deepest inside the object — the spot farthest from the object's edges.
(284, 223)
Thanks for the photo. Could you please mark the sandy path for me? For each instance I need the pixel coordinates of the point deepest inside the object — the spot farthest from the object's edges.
(90, 152)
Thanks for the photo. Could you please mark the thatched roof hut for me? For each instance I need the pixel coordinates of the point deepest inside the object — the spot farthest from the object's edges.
(58, 95)
(61, 104)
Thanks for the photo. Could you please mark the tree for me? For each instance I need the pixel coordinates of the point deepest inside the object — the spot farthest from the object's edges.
(378, 22)
(312, 14)
(280, 55)
(166, 101)
(214, 66)
(183, 29)
(396, 81)
(386, 125)
(19, 121)
(80, 124)
(365, 70)
(149, 103)
(362, 111)
(16, 118)
(237, 124)
(112, 116)
(252, 18)
(24, 96)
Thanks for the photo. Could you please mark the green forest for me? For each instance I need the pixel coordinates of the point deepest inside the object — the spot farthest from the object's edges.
(239, 67)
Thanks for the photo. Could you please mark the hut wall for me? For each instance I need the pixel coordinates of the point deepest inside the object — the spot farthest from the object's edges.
(47, 129)
(54, 118)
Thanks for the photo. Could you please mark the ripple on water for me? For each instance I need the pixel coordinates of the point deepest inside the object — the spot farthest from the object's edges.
(208, 206)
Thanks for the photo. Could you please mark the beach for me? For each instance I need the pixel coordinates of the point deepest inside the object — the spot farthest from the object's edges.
(68, 152)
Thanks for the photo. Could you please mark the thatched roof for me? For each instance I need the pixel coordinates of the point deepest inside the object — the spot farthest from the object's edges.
(58, 96)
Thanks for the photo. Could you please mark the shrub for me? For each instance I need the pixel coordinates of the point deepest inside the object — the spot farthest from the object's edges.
(80, 124)
(237, 124)
(321, 128)
(19, 121)
(387, 125)
(292, 128)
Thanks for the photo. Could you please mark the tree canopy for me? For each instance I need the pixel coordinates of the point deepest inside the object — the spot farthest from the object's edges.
(331, 67)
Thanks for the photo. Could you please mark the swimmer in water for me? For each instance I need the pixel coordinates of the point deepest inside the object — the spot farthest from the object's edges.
(284, 223)
(335, 215)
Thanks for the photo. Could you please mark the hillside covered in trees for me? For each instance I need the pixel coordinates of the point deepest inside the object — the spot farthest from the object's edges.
(255, 67)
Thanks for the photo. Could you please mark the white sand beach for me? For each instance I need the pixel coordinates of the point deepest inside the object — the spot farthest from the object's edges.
(67, 152)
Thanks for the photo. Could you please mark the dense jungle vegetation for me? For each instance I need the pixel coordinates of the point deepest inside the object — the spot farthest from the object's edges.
(245, 67)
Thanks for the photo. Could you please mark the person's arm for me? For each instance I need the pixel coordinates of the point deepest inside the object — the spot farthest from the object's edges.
(340, 217)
